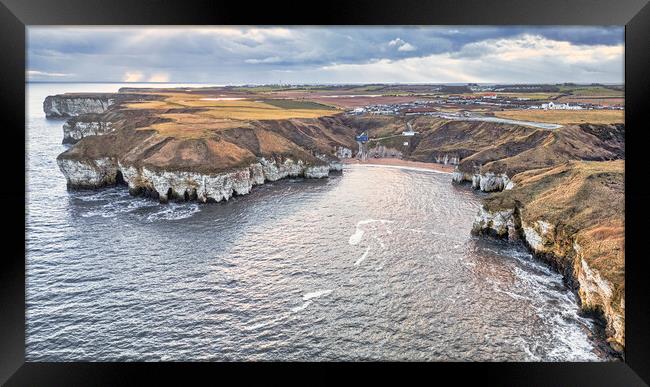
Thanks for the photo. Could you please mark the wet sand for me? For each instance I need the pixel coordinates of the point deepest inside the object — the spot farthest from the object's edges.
(402, 163)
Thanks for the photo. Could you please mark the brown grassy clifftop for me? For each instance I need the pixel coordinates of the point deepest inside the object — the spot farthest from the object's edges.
(577, 210)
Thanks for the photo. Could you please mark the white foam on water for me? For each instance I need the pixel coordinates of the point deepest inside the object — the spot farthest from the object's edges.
(141, 203)
(174, 212)
(316, 294)
(99, 196)
(356, 237)
(118, 202)
(415, 230)
(109, 210)
(573, 342)
(363, 257)
(512, 295)
(450, 237)
(565, 324)
(358, 233)
(529, 353)
(259, 325)
(301, 307)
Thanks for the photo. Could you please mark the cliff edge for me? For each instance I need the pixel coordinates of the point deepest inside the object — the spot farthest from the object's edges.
(572, 216)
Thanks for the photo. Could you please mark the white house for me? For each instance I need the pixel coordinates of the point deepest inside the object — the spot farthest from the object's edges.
(559, 106)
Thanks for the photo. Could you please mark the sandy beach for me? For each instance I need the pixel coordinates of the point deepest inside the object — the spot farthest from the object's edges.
(402, 163)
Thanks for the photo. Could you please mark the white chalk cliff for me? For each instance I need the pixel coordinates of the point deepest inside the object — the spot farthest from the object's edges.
(563, 252)
(57, 106)
(190, 185)
(74, 130)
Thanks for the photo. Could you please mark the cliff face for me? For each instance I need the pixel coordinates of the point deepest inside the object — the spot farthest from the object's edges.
(75, 104)
(92, 114)
(187, 185)
(74, 129)
(70, 105)
(571, 216)
(446, 158)
(504, 223)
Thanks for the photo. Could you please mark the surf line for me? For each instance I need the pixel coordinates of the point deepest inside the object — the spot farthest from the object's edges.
(363, 257)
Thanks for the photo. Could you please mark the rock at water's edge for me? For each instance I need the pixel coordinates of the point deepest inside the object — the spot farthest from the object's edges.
(545, 241)
(502, 224)
(57, 106)
(73, 130)
(202, 187)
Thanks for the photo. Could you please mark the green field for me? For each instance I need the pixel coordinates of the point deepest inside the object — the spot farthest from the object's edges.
(600, 91)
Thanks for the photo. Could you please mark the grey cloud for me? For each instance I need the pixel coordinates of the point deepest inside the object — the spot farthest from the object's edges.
(258, 55)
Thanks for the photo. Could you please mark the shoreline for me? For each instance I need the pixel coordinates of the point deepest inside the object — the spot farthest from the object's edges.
(441, 168)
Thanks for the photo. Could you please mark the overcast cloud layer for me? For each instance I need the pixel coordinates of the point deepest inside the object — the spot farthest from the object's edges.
(254, 55)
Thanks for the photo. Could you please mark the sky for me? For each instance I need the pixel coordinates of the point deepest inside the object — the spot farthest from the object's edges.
(235, 55)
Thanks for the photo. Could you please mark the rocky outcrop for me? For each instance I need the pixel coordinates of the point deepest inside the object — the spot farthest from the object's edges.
(187, 185)
(502, 224)
(74, 130)
(490, 182)
(447, 159)
(487, 182)
(191, 185)
(343, 152)
(335, 166)
(457, 177)
(89, 173)
(71, 105)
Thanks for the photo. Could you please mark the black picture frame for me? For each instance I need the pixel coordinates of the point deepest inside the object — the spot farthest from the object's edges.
(15, 15)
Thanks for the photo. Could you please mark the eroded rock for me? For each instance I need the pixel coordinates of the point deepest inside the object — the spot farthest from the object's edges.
(74, 130)
(502, 223)
(89, 173)
(167, 185)
(71, 105)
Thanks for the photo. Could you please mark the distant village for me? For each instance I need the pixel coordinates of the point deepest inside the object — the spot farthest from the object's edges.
(428, 107)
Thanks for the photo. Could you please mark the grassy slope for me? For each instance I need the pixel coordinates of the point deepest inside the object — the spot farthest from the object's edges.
(543, 148)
